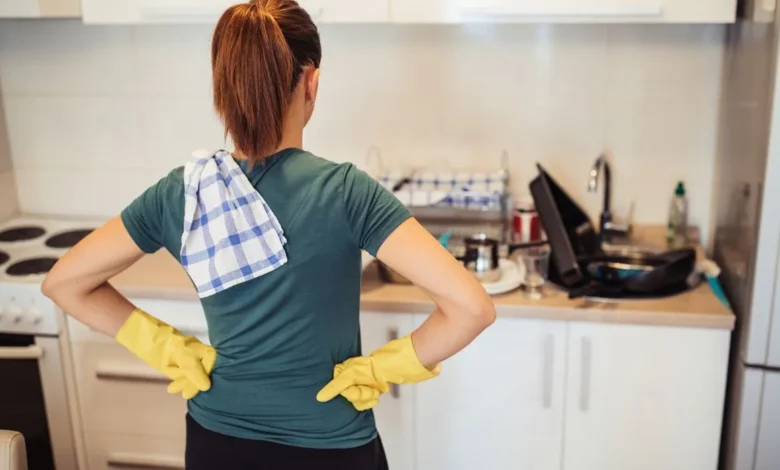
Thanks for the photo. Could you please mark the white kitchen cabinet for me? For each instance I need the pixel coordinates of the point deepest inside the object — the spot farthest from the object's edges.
(40, 8)
(498, 404)
(209, 11)
(569, 11)
(395, 413)
(643, 397)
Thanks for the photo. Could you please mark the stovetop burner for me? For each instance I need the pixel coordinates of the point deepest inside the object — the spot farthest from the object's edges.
(31, 266)
(4, 257)
(67, 239)
(19, 234)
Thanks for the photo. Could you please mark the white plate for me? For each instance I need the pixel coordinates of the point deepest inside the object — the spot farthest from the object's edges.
(512, 275)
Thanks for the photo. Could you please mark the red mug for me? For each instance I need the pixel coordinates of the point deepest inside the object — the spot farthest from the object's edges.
(526, 224)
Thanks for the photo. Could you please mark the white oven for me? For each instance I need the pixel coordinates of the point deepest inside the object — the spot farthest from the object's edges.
(34, 399)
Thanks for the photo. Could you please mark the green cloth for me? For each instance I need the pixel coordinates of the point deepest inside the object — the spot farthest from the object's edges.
(279, 336)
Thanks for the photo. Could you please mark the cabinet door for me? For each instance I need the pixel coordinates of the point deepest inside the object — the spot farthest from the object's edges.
(767, 451)
(208, 11)
(644, 398)
(348, 11)
(40, 8)
(583, 11)
(20, 9)
(498, 404)
(395, 412)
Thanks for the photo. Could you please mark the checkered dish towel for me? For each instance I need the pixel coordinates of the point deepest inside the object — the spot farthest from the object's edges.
(230, 234)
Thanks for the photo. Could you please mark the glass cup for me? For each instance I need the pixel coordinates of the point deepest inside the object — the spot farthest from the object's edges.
(536, 261)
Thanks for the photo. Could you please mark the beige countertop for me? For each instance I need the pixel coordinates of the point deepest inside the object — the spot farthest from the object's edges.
(160, 276)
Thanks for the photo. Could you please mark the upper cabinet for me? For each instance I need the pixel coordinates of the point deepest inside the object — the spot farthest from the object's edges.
(564, 11)
(406, 11)
(208, 11)
(40, 8)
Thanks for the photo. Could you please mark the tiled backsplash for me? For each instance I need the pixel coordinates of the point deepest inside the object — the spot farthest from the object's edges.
(96, 114)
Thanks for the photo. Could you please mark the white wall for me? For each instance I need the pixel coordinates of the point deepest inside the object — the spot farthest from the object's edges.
(96, 114)
(8, 203)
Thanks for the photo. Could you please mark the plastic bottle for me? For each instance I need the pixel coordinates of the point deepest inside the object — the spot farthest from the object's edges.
(677, 229)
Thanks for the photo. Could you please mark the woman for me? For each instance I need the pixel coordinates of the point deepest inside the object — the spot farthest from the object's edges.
(271, 237)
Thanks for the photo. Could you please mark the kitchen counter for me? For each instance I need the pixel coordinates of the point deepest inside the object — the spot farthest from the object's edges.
(159, 276)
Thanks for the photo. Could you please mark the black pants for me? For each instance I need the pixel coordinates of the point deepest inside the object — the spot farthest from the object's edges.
(207, 450)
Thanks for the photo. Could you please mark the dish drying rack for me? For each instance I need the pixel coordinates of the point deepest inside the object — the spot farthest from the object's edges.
(463, 222)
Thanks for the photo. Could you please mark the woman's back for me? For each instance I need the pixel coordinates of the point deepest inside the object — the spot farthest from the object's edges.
(279, 336)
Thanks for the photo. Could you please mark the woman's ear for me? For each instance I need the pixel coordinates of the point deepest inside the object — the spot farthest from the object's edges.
(312, 84)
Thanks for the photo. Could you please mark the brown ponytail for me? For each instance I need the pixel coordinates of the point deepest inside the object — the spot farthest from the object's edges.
(257, 58)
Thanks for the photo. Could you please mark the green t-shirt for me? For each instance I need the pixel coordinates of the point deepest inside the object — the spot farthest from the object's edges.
(279, 336)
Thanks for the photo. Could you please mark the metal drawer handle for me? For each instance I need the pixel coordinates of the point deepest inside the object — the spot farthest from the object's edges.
(547, 371)
(587, 360)
(105, 372)
(395, 389)
(28, 352)
(144, 462)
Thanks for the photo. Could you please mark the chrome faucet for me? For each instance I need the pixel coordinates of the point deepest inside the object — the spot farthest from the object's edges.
(602, 165)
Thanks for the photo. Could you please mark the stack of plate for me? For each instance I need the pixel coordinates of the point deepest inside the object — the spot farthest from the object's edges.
(512, 275)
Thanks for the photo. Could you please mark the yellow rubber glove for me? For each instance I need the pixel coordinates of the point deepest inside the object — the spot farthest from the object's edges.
(361, 380)
(183, 359)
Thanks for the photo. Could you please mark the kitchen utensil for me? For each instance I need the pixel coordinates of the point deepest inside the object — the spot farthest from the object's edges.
(535, 262)
(664, 272)
(711, 272)
(404, 181)
(445, 239)
(512, 275)
(481, 258)
(568, 229)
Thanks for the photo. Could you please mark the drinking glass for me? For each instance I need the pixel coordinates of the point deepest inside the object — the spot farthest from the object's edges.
(536, 261)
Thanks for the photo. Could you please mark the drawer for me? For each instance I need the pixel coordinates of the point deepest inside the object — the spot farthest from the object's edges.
(114, 451)
(120, 393)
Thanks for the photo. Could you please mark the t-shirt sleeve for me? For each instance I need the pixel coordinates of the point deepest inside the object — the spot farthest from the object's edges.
(143, 218)
(373, 213)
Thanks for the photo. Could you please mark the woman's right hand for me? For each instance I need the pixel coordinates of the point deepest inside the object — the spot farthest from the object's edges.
(189, 384)
(361, 380)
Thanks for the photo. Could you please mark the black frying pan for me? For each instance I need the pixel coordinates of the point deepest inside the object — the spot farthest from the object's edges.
(660, 273)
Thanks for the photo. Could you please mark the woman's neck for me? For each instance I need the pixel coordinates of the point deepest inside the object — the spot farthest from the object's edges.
(291, 140)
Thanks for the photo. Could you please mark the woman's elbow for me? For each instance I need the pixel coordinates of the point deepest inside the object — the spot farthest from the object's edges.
(48, 287)
(487, 312)
(482, 310)
(52, 287)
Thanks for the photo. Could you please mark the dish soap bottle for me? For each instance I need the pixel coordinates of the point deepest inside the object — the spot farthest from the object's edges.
(677, 229)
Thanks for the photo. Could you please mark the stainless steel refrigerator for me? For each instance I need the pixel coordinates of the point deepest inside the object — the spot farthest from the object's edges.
(747, 238)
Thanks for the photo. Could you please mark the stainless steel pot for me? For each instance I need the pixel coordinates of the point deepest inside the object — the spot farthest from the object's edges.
(481, 258)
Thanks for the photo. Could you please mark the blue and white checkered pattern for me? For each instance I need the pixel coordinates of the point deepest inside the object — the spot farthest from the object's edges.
(465, 190)
(230, 234)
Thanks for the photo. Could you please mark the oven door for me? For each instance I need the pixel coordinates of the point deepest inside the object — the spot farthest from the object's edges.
(33, 400)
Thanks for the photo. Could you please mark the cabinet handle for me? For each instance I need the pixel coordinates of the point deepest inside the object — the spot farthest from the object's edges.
(27, 352)
(104, 372)
(587, 359)
(143, 462)
(395, 389)
(547, 371)
(602, 11)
